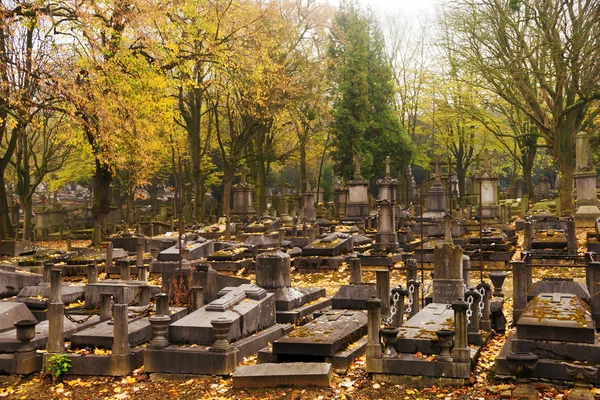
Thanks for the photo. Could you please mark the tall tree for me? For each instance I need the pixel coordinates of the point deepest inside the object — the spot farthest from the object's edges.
(364, 119)
(542, 57)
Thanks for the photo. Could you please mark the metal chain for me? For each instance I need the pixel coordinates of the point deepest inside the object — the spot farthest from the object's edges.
(393, 310)
(481, 304)
(85, 319)
(469, 310)
(411, 291)
(135, 297)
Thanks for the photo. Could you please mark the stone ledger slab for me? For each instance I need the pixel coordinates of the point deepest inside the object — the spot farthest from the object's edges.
(285, 374)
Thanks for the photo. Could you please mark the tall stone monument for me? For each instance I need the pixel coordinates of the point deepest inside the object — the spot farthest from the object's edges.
(242, 199)
(585, 184)
(308, 203)
(357, 206)
(386, 237)
(340, 199)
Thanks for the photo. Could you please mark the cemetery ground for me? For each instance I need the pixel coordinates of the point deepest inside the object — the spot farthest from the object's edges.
(352, 384)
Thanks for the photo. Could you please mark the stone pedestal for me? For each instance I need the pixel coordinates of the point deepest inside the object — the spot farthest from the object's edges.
(242, 200)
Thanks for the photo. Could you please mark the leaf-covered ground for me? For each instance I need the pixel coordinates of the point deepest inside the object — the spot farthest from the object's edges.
(354, 384)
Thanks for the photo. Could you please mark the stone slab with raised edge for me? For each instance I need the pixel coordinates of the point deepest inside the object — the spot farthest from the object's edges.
(37, 296)
(286, 374)
(11, 312)
(12, 281)
(418, 333)
(561, 317)
(559, 285)
(324, 336)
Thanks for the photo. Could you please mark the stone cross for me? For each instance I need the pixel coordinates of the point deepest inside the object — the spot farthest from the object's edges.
(438, 169)
(388, 163)
(448, 228)
(243, 171)
(282, 188)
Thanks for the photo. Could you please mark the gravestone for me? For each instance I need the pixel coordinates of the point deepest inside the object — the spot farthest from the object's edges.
(308, 203)
(242, 199)
(436, 197)
(585, 184)
(357, 206)
(448, 283)
(488, 182)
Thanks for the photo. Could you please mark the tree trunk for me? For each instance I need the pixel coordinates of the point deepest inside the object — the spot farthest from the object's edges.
(27, 204)
(101, 204)
(6, 228)
(564, 147)
(261, 180)
(227, 184)
(303, 176)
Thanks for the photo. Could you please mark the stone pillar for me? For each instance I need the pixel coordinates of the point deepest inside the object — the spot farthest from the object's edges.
(373, 349)
(398, 318)
(528, 269)
(139, 260)
(461, 352)
(145, 295)
(594, 289)
(411, 269)
(571, 238)
(109, 258)
(485, 323)
(280, 236)
(519, 270)
(382, 279)
(47, 273)
(125, 271)
(162, 304)
(56, 312)
(120, 345)
(92, 273)
(473, 321)
(355, 271)
(527, 235)
(142, 273)
(197, 297)
(69, 245)
(466, 269)
(105, 306)
(415, 284)
(589, 257)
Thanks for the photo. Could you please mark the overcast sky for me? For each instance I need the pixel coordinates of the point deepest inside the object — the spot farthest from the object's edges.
(395, 6)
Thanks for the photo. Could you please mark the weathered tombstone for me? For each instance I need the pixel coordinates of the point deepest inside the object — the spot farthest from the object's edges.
(357, 206)
(488, 182)
(448, 283)
(242, 199)
(585, 184)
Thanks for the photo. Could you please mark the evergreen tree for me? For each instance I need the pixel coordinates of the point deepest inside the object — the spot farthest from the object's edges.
(364, 119)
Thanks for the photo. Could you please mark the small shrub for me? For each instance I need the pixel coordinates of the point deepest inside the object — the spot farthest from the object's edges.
(59, 364)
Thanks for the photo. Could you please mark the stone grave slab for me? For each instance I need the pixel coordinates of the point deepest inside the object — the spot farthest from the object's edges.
(330, 245)
(353, 297)
(11, 282)
(262, 242)
(198, 249)
(102, 335)
(124, 292)
(14, 248)
(11, 312)
(559, 285)
(417, 333)
(284, 374)
(251, 308)
(569, 318)
(37, 296)
(324, 336)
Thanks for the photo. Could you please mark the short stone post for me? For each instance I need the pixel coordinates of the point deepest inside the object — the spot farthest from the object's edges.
(413, 293)
(125, 270)
(227, 229)
(25, 334)
(142, 273)
(594, 289)
(162, 304)
(105, 306)
(280, 236)
(571, 238)
(56, 313)
(355, 271)
(47, 272)
(109, 258)
(473, 297)
(92, 273)
(151, 229)
(398, 317)
(519, 270)
(69, 244)
(527, 235)
(373, 349)
(197, 297)
(411, 269)
(311, 235)
(467, 269)
(461, 352)
(120, 345)
(590, 256)
(382, 284)
(529, 268)
(139, 260)
(221, 327)
(485, 323)
(145, 294)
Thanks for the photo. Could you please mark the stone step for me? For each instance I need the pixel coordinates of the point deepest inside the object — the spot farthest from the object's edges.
(285, 374)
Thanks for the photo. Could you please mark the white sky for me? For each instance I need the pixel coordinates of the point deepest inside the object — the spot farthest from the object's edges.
(414, 7)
